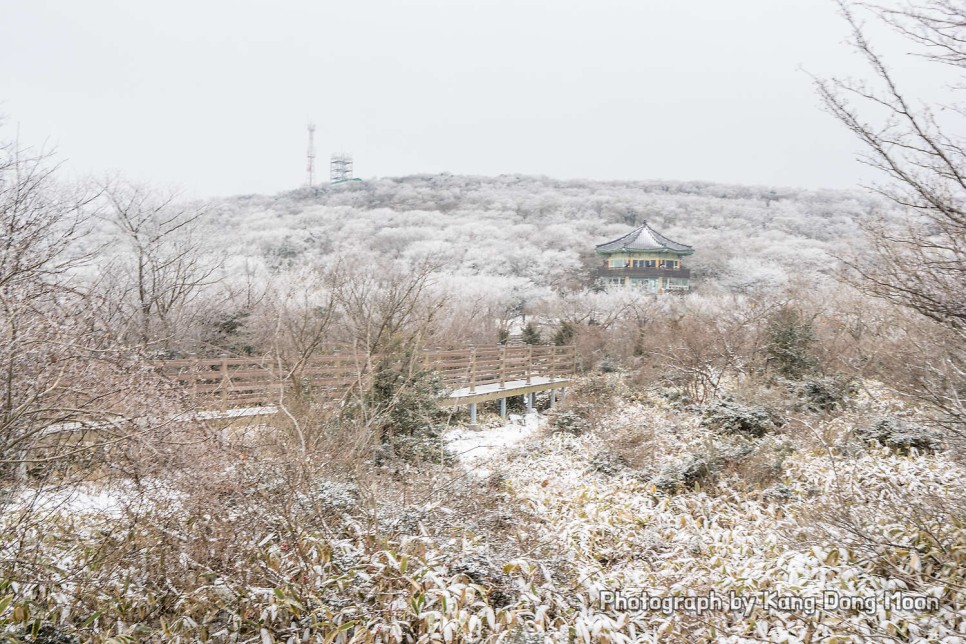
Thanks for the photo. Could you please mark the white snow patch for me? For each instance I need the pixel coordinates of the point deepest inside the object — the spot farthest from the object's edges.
(238, 412)
(108, 501)
(475, 447)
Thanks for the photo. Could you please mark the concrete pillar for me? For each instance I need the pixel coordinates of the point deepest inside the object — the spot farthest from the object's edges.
(472, 414)
(503, 408)
(533, 400)
(553, 398)
(528, 399)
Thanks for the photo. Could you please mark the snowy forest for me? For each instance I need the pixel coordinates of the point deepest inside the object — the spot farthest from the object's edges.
(775, 455)
(520, 245)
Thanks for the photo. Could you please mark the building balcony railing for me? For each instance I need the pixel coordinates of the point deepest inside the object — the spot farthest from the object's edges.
(643, 272)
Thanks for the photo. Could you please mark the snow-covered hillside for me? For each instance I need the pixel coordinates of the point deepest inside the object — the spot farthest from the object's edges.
(535, 233)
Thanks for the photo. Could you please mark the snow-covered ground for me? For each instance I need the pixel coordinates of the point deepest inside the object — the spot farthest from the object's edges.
(475, 448)
(565, 527)
(109, 501)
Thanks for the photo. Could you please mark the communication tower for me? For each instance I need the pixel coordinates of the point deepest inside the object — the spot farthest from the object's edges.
(310, 156)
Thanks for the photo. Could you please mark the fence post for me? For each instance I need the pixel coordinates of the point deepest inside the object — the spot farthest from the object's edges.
(278, 374)
(195, 374)
(473, 372)
(553, 362)
(338, 373)
(503, 367)
(529, 361)
(224, 382)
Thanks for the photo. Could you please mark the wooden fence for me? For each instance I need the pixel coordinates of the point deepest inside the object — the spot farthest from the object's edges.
(233, 382)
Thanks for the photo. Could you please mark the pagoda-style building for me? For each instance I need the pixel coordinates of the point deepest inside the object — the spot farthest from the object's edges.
(647, 260)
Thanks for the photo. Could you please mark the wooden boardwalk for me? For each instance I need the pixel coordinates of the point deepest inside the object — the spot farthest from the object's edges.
(469, 376)
(495, 391)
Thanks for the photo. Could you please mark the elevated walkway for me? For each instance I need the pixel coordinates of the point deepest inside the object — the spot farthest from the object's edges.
(470, 375)
(496, 391)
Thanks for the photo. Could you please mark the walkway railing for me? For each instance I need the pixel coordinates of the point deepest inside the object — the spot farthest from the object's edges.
(233, 382)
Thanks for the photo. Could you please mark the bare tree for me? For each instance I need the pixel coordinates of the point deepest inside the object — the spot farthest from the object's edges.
(39, 228)
(919, 263)
(385, 309)
(291, 323)
(164, 266)
(60, 373)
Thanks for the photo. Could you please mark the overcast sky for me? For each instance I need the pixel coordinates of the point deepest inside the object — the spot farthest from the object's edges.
(214, 96)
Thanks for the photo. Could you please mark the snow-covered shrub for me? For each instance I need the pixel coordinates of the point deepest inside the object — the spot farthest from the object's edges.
(777, 493)
(684, 474)
(762, 463)
(588, 400)
(569, 421)
(338, 495)
(46, 633)
(730, 417)
(790, 337)
(406, 404)
(900, 435)
(608, 364)
(607, 463)
(409, 399)
(521, 635)
(674, 395)
(824, 394)
(426, 445)
(701, 466)
(480, 569)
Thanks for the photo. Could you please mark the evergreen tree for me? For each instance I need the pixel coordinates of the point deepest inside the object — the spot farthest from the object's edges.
(531, 334)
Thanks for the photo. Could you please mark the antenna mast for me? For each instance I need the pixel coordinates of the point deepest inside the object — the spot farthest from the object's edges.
(310, 156)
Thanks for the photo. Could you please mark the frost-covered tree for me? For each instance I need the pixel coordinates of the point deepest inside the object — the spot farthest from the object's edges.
(161, 265)
(920, 261)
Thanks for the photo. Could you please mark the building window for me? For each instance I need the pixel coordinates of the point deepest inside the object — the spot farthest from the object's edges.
(669, 264)
(615, 281)
(645, 283)
(677, 283)
(618, 263)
